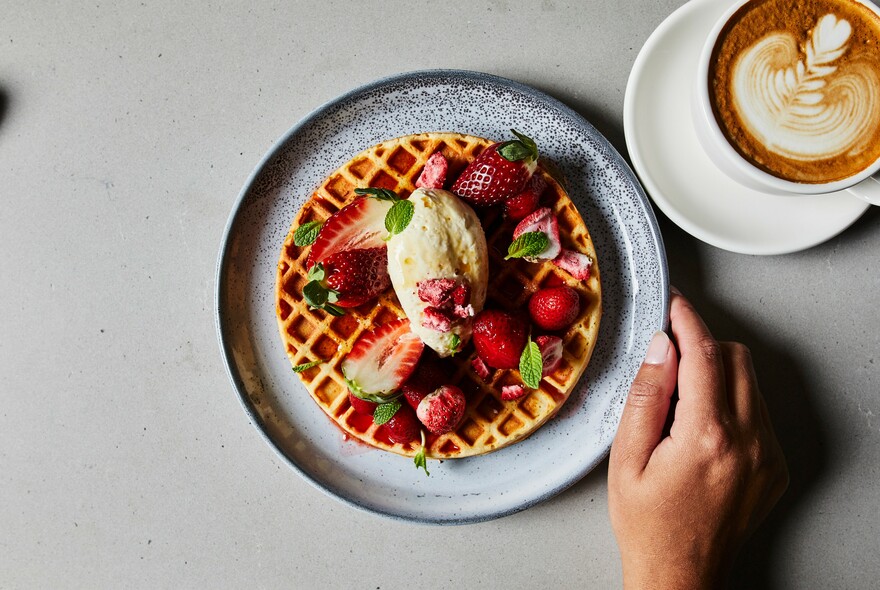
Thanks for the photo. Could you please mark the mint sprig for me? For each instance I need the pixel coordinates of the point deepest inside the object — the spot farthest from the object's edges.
(420, 459)
(383, 194)
(318, 295)
(400, 214)
(530, 243)
(307, 366)
(307, 233)
(385, 412)
(531, 365)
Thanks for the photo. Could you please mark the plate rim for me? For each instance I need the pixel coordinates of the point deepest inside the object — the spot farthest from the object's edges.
(222, 264)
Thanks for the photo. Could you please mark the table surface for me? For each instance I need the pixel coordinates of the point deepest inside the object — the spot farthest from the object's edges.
(126, 132)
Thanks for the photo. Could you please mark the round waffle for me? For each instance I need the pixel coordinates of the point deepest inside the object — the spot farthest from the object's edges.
(490, 423)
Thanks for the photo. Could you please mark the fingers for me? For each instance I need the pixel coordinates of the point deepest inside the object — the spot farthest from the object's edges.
(702, 389)
(742, 385)
(647, 405)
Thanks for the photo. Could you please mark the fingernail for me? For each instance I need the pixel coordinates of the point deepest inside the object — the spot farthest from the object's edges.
(658, 349)
(674, 290)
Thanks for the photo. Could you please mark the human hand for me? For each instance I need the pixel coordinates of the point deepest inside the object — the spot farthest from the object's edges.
(682, 505)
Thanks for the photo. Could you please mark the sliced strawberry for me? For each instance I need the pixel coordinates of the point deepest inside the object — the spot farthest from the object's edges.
(498, 173)
(519, 206)
(428, 376)
(499, 338)
(361, 406)
(442, 410)
(480, 368)
(436, 319)
(554, 308)
(461, 295)
(541, 220)
(574, 263)
(360, 224)
(357, 275)
(436, 292)
(381, 360)
(403, 427)
(551, 353)
(512, 392)
(434, 173)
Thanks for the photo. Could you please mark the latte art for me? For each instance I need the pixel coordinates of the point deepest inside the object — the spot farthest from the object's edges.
(805, 107)
(795, 87)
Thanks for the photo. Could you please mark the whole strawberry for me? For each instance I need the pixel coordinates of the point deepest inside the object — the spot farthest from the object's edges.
(403, 427)
(357, 275)
(554, 308)
(499, 172)
(443, 410)
(499, 338)
(428, 376)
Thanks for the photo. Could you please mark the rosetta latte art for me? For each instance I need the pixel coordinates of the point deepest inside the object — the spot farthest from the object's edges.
(807, 108)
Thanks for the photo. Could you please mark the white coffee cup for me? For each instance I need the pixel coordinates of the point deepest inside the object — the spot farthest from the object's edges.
(865, 184)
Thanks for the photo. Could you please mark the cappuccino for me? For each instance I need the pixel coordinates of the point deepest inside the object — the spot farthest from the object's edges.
(795, 87)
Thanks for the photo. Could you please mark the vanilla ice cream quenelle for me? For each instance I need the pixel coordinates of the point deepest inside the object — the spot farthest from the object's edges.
(439, 267)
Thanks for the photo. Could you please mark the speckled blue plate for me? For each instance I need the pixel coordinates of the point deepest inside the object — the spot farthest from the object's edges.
(634, 296)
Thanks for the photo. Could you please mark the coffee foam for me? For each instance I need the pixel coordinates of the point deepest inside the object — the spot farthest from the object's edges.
(797, 88)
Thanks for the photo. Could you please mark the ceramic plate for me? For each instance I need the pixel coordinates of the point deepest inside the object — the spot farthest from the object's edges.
(634, 284)
(682, 180)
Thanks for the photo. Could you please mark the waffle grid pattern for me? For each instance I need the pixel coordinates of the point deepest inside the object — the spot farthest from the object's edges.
(313, 334)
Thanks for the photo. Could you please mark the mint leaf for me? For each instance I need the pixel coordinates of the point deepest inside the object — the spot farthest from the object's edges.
(307, 366)
(454, 343)
(385, 412)
(315, 294)
(420, 460)
(333, 310)
(307, 233)
(530, 365)
(530, 243)
(398, 217)
(383, 194)
(316, 273)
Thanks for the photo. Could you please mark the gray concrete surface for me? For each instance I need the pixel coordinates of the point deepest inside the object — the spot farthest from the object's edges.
(126, 132)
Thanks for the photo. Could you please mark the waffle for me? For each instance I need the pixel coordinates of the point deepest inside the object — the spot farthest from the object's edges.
(490, 423)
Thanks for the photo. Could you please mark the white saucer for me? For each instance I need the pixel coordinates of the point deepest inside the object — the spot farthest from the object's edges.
(682, 180)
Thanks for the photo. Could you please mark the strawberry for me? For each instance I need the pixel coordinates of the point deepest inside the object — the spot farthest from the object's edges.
(381, 360)
(499, 338)
(436, 319)
(520, 205)
(361, 406)
(434, 173)
(480, 368)
(551, 353)
(442, 410)
(357, 275)
(541, 220)
(403, 427)
(554, 308)
(428, 376)
(436, 292)
(360, 224)
(499, 172)
(576, 264)
(512, 392)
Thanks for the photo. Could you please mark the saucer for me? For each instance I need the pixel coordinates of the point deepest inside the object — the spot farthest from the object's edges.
(681, 179)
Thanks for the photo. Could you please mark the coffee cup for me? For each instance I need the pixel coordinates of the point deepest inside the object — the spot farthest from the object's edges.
(787, 97)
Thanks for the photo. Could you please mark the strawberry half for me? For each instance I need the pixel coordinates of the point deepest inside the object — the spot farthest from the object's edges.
(499, 338)
(551, 353)
(360, 224)
(541, 220)
(576, 264)
(499, 172)
(381, 360)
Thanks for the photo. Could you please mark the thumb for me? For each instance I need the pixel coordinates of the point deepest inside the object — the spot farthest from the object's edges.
(647, 406)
